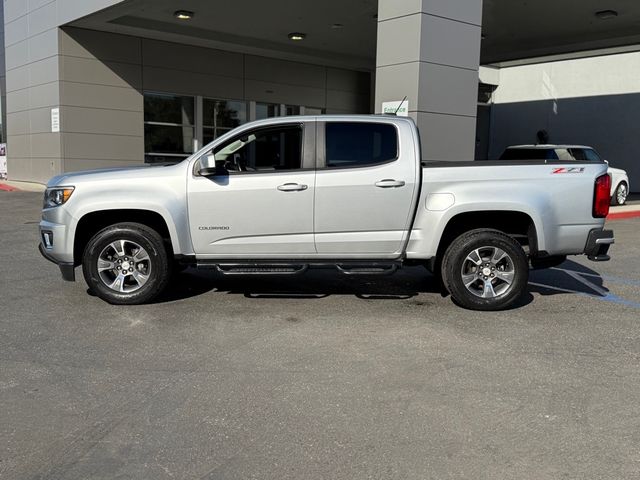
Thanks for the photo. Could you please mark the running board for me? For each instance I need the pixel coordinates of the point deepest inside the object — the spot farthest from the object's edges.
(286, 268)
(258, 269)
(368, 269)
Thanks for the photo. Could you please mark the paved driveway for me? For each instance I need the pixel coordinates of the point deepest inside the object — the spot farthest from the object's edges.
(317, 377)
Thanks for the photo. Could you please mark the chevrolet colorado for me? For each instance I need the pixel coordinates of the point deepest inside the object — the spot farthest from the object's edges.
(283, 195)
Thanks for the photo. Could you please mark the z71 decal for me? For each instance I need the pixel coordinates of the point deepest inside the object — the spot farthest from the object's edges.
(568, 170)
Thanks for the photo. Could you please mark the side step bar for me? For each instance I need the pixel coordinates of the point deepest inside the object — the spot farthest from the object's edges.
(259, 268)
(368, 269)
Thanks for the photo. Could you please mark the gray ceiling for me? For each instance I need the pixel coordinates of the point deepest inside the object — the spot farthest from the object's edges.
(517, 29)
(513, 29)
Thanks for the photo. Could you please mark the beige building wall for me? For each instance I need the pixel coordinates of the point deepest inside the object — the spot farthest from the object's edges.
(97, 79)
(33, 84)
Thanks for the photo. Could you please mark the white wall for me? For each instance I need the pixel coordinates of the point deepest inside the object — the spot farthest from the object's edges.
(585, 77)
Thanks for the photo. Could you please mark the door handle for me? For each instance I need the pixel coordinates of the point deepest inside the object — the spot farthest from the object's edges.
(390, 183)
(292, 187)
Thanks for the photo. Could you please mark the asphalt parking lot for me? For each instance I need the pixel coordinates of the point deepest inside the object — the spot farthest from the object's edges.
(318, 376)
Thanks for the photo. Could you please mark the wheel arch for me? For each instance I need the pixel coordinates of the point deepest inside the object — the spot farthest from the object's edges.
(92, 222)
(514, 223)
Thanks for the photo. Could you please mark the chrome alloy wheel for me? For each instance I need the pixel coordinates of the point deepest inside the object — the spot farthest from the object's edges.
(488, 272)
(621, 194)
(124, 266)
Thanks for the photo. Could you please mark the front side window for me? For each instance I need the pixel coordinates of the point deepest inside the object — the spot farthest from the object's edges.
(357, 144)
(169, 129)
(264, 150)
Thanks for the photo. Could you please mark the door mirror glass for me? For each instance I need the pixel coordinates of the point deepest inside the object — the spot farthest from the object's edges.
(210, 166)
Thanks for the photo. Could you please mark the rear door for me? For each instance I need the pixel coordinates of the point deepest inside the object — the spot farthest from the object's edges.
(366, 188)
(263, 206)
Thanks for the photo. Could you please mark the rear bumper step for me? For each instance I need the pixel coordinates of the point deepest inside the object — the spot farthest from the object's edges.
(598, 244)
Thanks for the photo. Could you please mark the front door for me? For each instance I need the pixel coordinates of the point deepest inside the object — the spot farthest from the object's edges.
(262, 207)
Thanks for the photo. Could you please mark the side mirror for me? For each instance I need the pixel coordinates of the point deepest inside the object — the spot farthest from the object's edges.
(209, 166)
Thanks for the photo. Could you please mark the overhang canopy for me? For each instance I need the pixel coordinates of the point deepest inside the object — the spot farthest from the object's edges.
(344, 33)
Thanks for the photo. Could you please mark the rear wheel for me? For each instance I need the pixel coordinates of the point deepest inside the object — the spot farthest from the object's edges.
(485, 270)
(620, 195)
(126, 264)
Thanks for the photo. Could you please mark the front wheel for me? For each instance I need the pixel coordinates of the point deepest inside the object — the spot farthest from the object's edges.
(485, 270)
(126, 264)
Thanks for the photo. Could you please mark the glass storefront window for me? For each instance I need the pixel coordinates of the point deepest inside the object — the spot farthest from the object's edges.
(220, 116)
(292, 110)
(267, 110)
(313, 111)
(175, 125)
(169, 127)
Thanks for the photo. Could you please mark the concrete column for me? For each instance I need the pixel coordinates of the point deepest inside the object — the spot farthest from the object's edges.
(429, 51)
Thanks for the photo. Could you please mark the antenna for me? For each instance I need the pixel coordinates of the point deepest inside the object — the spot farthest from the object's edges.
(400, 106)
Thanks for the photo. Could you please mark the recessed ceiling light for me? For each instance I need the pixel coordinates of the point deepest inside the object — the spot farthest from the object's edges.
(183, 14)
(606, 14)
(297, 36)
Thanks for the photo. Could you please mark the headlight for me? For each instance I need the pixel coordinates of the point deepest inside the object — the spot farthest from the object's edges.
(54, 197)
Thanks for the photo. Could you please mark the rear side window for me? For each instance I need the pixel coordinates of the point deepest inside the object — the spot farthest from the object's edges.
(360, 144)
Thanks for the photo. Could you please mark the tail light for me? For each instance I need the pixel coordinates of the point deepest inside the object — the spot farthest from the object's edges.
(602, 196)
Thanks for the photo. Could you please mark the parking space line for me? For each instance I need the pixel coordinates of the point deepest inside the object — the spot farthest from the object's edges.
(587, 283)
(600, 293)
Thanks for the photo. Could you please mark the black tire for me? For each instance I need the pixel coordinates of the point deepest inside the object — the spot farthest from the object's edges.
(156, 264)
(622, 190)
(501, 295)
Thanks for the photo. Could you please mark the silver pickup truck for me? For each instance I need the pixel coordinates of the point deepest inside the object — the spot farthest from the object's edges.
(283, 195)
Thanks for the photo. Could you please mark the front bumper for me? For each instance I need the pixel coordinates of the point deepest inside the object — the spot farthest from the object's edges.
(598, 243)
(67, 270)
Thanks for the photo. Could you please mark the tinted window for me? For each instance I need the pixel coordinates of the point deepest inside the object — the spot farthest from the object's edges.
(564, 155)
(578, 154)
(220, 116)
(168, 127)
(592, 155)
(267, 110)
(528, 154)
(360, 144)
(262, 150)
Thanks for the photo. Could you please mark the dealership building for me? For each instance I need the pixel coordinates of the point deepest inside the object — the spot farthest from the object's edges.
(108, 83)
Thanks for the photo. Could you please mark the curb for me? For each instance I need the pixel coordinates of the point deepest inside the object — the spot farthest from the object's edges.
(623, 215)
(8, 188)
